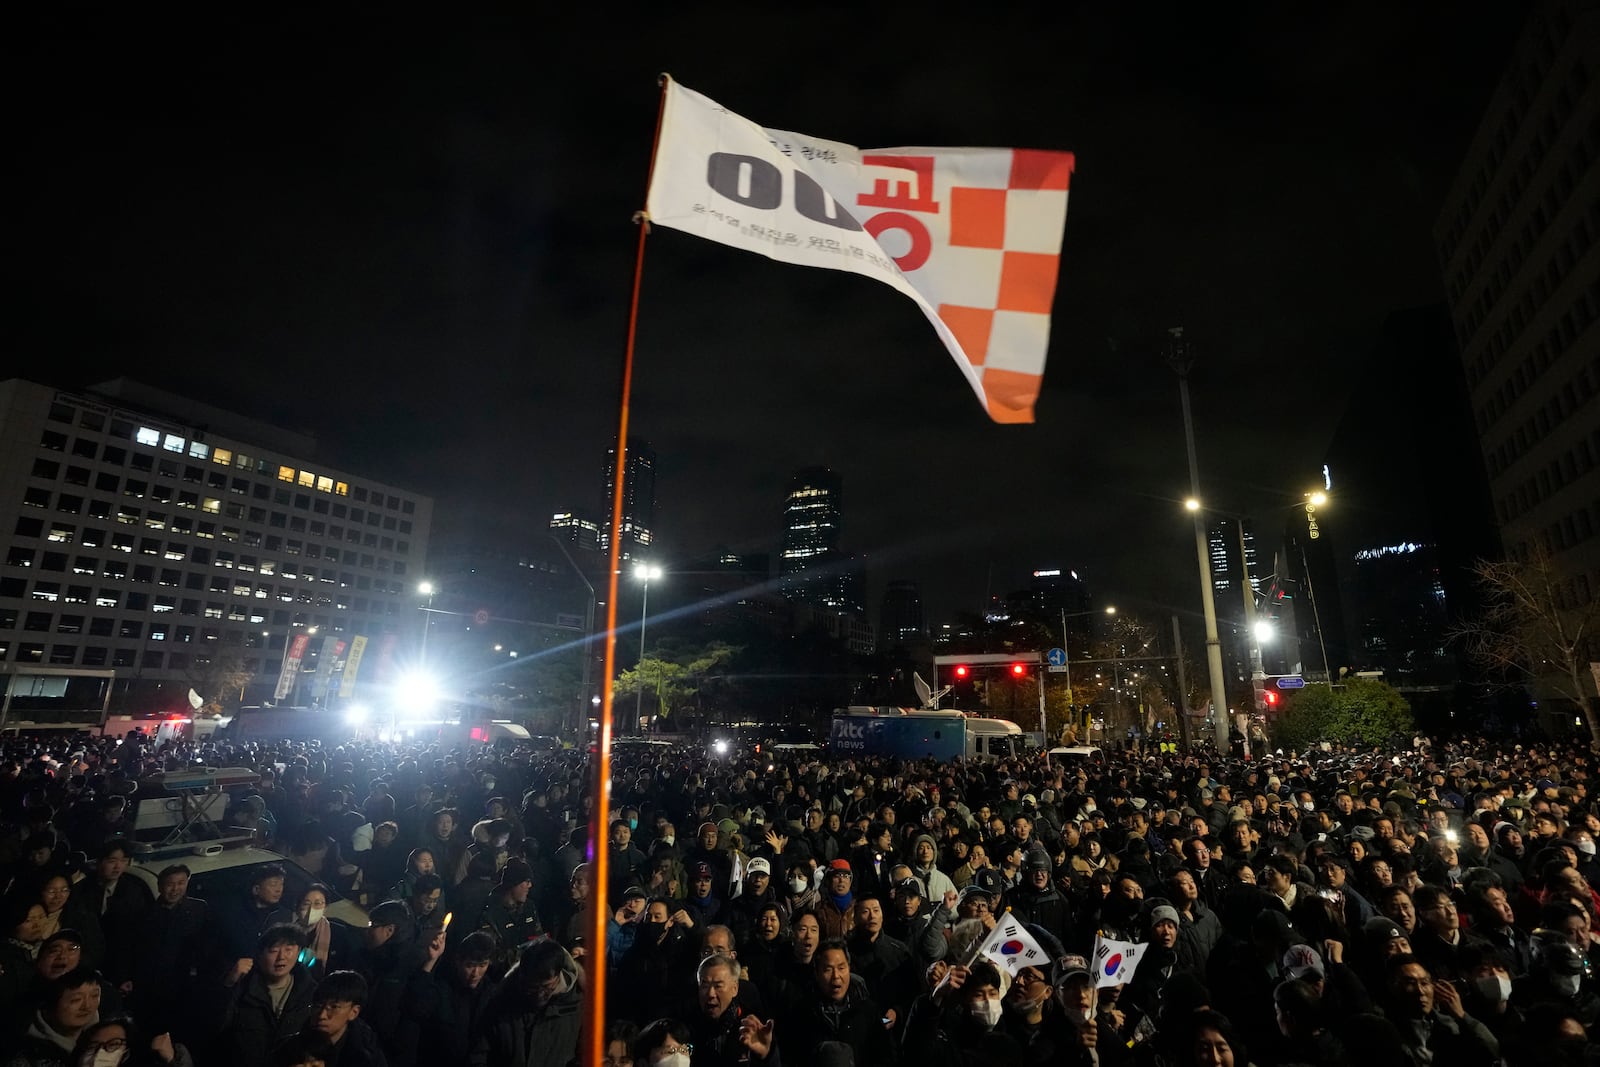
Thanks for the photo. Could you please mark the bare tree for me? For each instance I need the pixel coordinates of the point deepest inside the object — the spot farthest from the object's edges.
(1533, 632)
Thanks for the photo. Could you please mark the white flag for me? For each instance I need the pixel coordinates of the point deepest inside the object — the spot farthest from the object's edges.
(973, 235)
(1115, 961)
(1012, 948)
(736, 879)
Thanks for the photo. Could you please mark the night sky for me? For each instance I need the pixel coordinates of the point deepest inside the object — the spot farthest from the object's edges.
(414, 240)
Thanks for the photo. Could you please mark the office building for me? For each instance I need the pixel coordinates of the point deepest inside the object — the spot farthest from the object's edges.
(900, 620)
(159, 537)
(811, 530)
(579, 532)
(638, 500)
(1516, 238)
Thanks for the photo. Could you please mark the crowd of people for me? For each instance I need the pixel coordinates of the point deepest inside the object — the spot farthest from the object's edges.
(1336, 908)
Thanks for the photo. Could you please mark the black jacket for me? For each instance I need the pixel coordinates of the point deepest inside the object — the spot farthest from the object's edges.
(250, 1028)
(516, 1035)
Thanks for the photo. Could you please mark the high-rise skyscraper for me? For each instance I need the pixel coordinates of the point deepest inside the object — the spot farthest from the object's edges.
(810, 528)
(638, 499)
(900, 619)
(1517, 238)
(1229, 565)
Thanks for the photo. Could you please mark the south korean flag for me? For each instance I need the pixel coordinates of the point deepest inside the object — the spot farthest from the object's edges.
(1012, 948)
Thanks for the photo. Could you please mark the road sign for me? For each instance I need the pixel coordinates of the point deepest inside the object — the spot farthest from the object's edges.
(1056, 657)
(480, 617)
(1291, 681)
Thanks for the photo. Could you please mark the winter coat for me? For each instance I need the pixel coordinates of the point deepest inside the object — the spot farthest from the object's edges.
(517, 1034)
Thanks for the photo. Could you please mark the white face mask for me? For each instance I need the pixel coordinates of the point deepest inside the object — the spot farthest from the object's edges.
(314, 915)
(986, 1012)
(798, 885)
(1566, 984)
(106, 1057)
(1309, 806)
(673, 1059)
(1495, 988)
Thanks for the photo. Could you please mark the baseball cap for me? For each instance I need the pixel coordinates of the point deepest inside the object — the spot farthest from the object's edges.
(990, 881)
(1029, 798)
(1071, 966)
(759, 866)
(67, 934)
(1037, 860)
(1302, 961)
(701, 870)
(633, 892)
(908, 886)
(840, 865)
(973, 889)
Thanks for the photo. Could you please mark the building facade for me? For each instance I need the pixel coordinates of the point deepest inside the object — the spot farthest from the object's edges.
(638, 500)
(1516, 239)
(160, 538)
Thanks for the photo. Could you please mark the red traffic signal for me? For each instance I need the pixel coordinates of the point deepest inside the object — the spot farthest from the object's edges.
(1018, 670)
(1272, 698)
(961, 671)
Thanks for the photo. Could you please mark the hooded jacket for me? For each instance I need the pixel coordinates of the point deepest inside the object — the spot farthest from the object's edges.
(516, 1033)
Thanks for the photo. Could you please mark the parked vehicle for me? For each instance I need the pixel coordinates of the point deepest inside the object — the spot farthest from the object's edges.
(914, 733)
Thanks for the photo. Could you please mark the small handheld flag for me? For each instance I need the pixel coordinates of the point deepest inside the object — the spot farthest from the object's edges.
(1012, 948)
(1115, 961)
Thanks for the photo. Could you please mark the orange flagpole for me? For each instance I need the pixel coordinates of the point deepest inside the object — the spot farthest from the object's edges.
(594, 990)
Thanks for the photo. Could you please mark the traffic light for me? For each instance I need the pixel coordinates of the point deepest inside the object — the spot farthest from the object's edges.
(1018, 670)
(961, 671)
(1271, 698)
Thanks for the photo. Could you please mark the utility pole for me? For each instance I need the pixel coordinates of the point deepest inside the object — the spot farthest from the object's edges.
(1180, 359)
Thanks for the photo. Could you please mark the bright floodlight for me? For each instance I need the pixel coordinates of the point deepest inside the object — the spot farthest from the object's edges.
(1110, 610)
(1192, 504)
(1318, 498)
(356, 714)
(425, 588)
(1265, 632)
(646, 572)
(418, 690)
(721, 747)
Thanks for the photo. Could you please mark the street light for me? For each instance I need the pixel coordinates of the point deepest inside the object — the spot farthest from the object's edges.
(646, 573)
(427, 590)
(1066, 648)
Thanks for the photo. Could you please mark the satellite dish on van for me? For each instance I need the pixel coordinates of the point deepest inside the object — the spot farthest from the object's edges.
(196, 701)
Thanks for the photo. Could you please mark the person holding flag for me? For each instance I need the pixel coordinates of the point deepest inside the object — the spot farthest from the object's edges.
(957, 1025)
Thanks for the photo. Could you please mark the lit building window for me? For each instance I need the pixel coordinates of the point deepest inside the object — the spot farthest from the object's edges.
(341, 488)
(211, 505)
(172, 443)
(146, 436)
(307, 479)
(285, 474)
(198, 450)
(324, 484)
(222, 456)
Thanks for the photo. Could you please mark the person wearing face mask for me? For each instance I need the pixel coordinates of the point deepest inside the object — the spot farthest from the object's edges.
(1486, 993)
(958, 1023)
(312, 916)
(1557, 977)
(113, 1042)
(663, 1043)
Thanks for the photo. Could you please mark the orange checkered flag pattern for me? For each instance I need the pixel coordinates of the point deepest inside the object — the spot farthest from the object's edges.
(972, 235)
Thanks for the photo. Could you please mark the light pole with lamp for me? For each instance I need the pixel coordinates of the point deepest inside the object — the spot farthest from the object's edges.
(1066, 647)
(426, 589)
(645, 573)
(1181, 359)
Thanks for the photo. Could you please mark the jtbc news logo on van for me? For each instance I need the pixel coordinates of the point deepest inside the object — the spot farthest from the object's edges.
(848, 735)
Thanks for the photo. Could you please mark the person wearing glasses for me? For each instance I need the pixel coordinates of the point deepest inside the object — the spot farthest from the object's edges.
(664, 1043)
(113, 1043)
